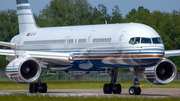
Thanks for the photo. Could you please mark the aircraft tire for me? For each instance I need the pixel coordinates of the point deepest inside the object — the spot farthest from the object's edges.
(107, 89)
(44, 88)
(134, 90)
(33, 88)
(117, 89)
(138, 91)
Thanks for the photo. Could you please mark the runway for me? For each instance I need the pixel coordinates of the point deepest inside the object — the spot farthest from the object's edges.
(146, 92)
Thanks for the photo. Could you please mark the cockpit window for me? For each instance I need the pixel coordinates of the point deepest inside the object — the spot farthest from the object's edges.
(157, 40)
(145, 40)
(137, 40)
(131, 41)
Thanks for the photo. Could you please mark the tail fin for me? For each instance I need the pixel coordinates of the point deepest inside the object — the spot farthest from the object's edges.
(25, 16)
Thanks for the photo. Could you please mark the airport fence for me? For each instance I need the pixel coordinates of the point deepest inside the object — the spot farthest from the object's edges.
(77, 76)
(93, 76)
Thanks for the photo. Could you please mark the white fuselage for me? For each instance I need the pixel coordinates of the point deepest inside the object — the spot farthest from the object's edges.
(96, 45)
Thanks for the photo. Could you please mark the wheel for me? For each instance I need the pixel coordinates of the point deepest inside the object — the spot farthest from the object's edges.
(132, 90)
(107, 89)
(138, 91)
(33, 88)
(117, 89)
(44, 88)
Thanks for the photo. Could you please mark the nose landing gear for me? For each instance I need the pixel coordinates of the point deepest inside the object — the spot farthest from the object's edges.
(135, 90)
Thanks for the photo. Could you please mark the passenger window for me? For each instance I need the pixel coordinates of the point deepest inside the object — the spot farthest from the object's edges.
(145, 40)
(137, 40)
(131, 41)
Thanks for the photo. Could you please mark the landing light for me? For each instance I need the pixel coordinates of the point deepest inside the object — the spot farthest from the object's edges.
(71, 59)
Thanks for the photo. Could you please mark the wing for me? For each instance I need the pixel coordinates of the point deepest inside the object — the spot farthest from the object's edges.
(169, 53)
(52, 56)
(45, 56)
(7, 52)
(55, 56)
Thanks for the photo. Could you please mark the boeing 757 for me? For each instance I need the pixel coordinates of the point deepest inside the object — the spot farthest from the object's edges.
(87, 48)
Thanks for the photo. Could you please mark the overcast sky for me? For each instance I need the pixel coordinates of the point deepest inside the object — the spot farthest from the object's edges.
(124, 5)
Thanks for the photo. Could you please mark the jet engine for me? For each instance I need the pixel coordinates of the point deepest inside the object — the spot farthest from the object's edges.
(161, 74)
(23, 70)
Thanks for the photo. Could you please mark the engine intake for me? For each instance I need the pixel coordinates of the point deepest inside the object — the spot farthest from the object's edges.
(23, 70)
(161, 74)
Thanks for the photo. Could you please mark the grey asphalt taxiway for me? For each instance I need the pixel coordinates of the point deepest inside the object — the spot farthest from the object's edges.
(146, 92)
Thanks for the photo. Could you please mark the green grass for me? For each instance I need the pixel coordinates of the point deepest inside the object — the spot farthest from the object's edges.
(81, 85)
(37, 97)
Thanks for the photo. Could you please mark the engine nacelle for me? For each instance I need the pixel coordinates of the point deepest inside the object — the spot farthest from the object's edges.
(161, 74)
(23, 70)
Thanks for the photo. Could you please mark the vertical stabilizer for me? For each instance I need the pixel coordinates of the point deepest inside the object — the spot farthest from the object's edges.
(25, 16)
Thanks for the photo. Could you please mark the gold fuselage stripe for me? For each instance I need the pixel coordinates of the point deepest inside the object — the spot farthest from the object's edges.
(150, 76)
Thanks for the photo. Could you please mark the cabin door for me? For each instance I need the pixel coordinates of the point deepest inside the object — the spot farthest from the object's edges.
(90, 40)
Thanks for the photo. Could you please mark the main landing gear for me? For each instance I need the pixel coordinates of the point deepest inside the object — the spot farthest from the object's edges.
(135, 90)
(112, 87)
(116, 88)
(38, 87)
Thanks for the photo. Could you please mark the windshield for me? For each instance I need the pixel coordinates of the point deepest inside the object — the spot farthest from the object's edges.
(137, 40)
(143, 40)
(157, 40)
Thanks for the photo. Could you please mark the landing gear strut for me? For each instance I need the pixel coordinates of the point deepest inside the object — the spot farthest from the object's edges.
(112, 87)
(135, 90)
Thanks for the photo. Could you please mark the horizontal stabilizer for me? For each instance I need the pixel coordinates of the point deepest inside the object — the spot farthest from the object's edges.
(8, 44)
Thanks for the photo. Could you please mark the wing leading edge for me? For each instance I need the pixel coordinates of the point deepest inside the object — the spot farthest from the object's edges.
(169, 53)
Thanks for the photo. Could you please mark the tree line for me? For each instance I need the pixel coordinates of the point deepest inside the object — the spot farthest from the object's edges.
(80, 12)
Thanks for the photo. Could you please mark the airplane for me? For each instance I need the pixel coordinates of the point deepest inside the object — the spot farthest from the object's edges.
(86, 48)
